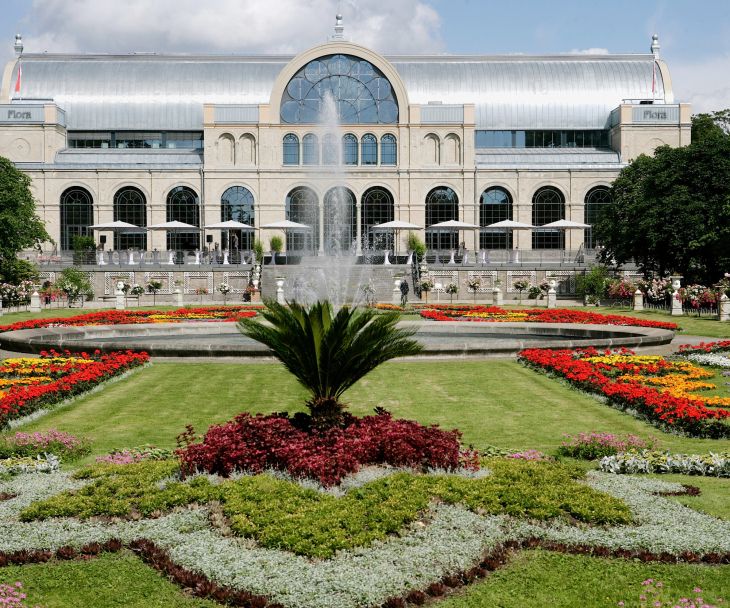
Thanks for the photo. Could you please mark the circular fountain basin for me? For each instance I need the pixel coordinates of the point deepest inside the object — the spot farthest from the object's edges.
(222, 339)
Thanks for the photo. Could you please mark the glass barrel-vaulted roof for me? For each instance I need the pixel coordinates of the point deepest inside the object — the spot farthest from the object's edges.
(361, 92)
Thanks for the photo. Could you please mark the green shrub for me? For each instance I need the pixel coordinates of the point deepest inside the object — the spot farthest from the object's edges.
(276, 243)
(415, 244)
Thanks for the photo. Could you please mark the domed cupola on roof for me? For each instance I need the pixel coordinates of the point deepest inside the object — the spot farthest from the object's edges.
(362, 93)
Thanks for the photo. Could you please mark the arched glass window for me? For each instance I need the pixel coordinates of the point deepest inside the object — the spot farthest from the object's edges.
(330, 150)
(340, 217)
(495, 205)
(302, 206)
(369, 149)
(183, 205)
(349, 149)
(388, 150)
(291, 149)
(596, 201)
(310, 149)
(442, 205)
(377, 207)
(360, 91)
(130, 206)
(237, 204)
(548, 205)
(77, 214)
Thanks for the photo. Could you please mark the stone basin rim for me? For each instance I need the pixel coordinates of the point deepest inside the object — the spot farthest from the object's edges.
(464, 338)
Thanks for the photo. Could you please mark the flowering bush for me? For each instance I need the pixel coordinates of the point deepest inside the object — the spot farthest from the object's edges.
(63, 445)
(590, 446)
(698, 296)
(132, 317)
(529, 455)
(621, 289)
(16, 295)
(655, 388)
(136, 290)
(12, 596)
(646, 461)
(465, 312)
(656, 290)
(654, 595)
(31, 384)
(474, 284)
(254, 443)
(427, 285)
(136, 454)
(17, 465)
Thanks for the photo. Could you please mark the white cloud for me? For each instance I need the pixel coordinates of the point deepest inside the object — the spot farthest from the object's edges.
(703, 84)
(591, 51)
(228, 26)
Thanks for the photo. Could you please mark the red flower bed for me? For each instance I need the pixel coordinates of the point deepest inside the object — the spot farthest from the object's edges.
(536, 315)
(705, 347)
(132, 317)
(688, 415)
(68, 379)
(254, 443)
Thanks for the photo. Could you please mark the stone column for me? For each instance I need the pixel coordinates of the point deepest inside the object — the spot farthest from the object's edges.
(638, 300)
(35, 302)
(497, 298)
(280, 290)
(676, 302)
(119, 296)
(178, 297)
(396, 292)
(724, 308)
(552, 295)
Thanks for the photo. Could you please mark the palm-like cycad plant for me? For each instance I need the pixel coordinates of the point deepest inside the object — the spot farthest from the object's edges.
(329, 352)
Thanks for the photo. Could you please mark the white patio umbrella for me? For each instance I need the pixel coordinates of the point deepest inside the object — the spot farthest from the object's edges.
(564, 225)
(508, 226)
(174, 226)
(229, 225)
(288, 226)
(452, 226)
(118, 226)
(396, 226)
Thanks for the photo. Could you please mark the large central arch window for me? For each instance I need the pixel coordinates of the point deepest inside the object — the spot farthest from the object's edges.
(442, 205)
(237, 204)
(495, 205)
(340, 221)
(595, 203)
(302, 206)
(183, 205)
(130, 206)
(77, 214)
(548, 205)
(378, 207)
(360, 91)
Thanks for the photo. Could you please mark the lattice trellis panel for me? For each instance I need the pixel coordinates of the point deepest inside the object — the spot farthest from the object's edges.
(237, 280)
(487, 277)
(111, 279)
(46, 275)
(197, 280)
(166, 278)
(519, 275)
(566, 281)
(443, 277)
(632, 275)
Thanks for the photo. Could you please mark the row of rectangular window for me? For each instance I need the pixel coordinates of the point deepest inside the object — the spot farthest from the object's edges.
(135, 139)
(581, 138)
(350, 153)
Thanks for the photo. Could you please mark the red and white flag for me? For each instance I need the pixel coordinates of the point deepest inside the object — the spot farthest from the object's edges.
(20, 76)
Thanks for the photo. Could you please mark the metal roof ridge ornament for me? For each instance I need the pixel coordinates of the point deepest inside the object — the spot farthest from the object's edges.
(655, 46)
(18, 45)
(339, 29)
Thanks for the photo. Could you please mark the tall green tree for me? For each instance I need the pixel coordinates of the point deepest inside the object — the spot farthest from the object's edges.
(20, 227)
(671, 212)
(328, 352)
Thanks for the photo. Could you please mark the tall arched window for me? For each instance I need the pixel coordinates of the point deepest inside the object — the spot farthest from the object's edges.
(596, 201)
(388, 150)
(360, 91)
(340, 217)
(369, 146)
(442, 205)
(291, 149)
(330, 151)
(77, 214)
(548, 205)
(302, 206)
(130, 206)
(183, 205)
(349, 149)
(495, 205)
(310, 149)
(237, 204)
(377, 207)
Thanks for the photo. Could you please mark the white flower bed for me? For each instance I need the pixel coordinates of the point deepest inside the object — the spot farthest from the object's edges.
(16, 465)
(712, 465)
(711, 359)
(449, 539)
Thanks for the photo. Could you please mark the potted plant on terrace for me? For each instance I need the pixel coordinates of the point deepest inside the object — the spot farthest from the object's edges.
(153, 286)
(474, 284)
(225, 289)
(426, 286)
(276, 244)
(452, 289)
(520, 286)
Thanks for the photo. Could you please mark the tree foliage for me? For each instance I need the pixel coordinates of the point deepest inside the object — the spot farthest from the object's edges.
(671, 212)
(20, 227)
(329, 352)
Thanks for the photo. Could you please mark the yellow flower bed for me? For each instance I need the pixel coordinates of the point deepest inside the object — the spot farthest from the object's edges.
(510, 316)
(627, 359)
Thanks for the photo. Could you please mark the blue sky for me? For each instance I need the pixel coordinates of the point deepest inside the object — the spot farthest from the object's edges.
(694, 36)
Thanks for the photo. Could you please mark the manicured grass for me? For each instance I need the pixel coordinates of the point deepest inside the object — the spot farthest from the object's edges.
(715, 496)
(496, 402)
(110, 581)
(536, 579)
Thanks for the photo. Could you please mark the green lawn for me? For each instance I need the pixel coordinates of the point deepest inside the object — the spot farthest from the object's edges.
(109, 581)
(537, 579)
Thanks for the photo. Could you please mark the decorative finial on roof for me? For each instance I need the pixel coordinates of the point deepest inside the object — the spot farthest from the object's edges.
(339, 28)
(655, 45)
(18, 44)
